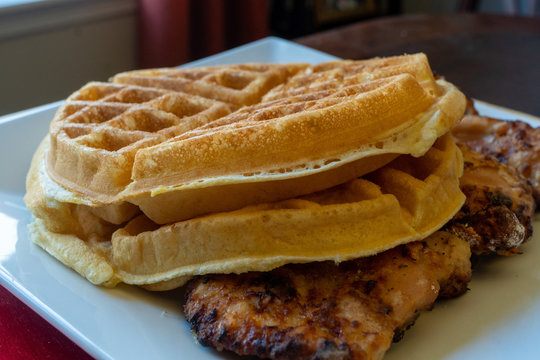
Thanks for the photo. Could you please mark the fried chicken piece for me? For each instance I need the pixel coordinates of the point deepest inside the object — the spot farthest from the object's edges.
(499, 208)
(326, 311)
(514, 143)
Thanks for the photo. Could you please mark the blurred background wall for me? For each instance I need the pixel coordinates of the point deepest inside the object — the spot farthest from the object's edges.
(50, 48)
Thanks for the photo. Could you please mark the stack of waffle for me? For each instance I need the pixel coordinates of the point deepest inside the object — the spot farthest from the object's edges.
(161, 175)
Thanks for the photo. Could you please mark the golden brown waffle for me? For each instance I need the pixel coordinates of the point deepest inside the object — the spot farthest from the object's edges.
(164, 174)
(153, 145)
(405, 201)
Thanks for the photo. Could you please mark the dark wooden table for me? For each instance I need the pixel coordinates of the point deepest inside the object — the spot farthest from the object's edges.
(494, 58)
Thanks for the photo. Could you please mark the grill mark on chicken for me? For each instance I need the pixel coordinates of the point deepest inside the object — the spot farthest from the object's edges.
(353, 310)
(514, 143)
(499, 208)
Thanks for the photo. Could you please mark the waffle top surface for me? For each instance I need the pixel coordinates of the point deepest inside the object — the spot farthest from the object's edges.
(167, 130)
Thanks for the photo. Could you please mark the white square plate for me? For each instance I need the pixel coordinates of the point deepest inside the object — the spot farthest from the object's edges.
(496, 319)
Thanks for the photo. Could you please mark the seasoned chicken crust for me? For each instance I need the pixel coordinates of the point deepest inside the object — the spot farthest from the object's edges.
(322, 310)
